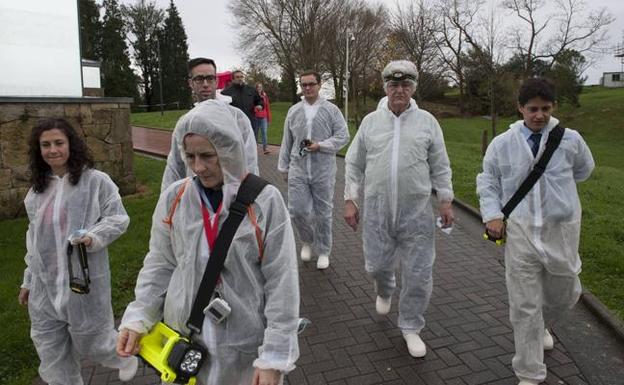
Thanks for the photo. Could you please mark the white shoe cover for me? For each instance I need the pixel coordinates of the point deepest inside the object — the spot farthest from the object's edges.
(306, 253)
(527, 382)
(548, 340)
(382, 305)
(415, 345)
(128, 371)
(323, 262)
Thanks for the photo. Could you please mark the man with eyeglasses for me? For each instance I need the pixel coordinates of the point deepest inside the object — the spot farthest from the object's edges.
(314, 131)
(397, 157)
(244, 97)
(542, 262)
(202, 79)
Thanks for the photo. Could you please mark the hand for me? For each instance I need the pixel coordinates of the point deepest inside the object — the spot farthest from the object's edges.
(312, 147)
(266, 377)
(446, 213)
(22, 297)
(128, 343)
(86, 240)
(495, 228)
(259, 107)
(351, 214)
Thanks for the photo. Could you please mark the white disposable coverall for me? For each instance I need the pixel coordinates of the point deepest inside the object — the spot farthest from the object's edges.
(65, 326)
(261, 330)
(312, 176)
(541, 253)
(397, 160)
(176, 168)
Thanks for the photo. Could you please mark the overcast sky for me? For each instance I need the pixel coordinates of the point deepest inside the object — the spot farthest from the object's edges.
(211, 32)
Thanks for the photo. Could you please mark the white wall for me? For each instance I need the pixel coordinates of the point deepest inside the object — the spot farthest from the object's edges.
(608, 80)
(39, 48)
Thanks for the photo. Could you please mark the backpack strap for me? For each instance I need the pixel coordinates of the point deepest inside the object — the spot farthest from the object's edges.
(554, 138)
(249, 189)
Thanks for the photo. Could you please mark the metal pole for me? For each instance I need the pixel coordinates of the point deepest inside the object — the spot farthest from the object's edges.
(346, 106)
(162, 104)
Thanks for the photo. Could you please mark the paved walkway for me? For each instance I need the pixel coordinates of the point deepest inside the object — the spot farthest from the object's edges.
(468, 334)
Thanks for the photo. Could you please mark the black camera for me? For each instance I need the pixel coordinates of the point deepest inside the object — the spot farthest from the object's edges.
(303, 145)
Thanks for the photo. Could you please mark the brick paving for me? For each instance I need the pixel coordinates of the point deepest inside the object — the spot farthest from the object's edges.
(468, 334)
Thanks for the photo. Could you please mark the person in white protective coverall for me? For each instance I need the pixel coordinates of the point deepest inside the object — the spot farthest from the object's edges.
(257, 343)
(203, 82)
(397, 156)
(68, 195)
(314, 131)
(541, 251)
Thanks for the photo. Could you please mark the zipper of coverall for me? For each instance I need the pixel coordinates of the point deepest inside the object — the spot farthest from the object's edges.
(309, 136)
(56, 226)
(537, 220)
(394, 169)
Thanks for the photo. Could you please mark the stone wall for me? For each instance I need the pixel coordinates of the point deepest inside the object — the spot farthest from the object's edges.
(104, 123)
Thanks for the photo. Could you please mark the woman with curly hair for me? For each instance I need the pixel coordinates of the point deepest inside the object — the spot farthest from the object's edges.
(70, 199)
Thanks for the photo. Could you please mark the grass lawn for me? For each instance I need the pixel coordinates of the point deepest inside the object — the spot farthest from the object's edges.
(600, 121)
(20, 360)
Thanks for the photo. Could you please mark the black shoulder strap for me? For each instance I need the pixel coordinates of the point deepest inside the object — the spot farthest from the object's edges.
(554, 138)
(247, 193)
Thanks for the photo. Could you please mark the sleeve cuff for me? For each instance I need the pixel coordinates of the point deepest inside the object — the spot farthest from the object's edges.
(491, 217)
(135, 326)
(445, 195)
(96, 242)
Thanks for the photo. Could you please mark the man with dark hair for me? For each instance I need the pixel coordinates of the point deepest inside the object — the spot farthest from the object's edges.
(202, 80)
(202, 75)
(542, 233)
(244, 97)
(314, 131)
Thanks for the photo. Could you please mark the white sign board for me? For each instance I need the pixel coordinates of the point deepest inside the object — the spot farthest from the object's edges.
(91, 77)
(40, 48)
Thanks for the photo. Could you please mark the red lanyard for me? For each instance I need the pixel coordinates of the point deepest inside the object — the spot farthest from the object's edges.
(211, 227)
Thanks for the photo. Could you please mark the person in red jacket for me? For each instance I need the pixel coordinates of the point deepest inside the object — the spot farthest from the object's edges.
(263, 117)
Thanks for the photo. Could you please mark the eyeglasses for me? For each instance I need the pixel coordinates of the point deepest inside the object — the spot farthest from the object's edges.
(306, 85)
(200, 79)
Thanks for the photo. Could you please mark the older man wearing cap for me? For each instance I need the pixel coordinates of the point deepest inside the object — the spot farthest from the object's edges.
(397, 157)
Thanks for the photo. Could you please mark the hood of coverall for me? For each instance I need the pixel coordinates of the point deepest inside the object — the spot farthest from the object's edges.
(212, 120)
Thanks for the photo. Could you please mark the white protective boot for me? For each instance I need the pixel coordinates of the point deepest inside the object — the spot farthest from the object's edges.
(549, 343)
(382, 305)
(323, 262)
(527, 382)
(415, 345)
(306, 253)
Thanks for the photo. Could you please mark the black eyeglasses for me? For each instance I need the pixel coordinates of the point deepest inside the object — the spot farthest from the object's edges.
(306, 85)
(200, 79)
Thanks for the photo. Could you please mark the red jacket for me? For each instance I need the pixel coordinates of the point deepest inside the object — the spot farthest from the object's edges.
(266, 111)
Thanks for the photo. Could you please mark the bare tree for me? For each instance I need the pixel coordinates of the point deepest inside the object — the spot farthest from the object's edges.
(143, 21)
(415, 26)
(572, 28)
(458, 17)
(287, 33)
(368, 26)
